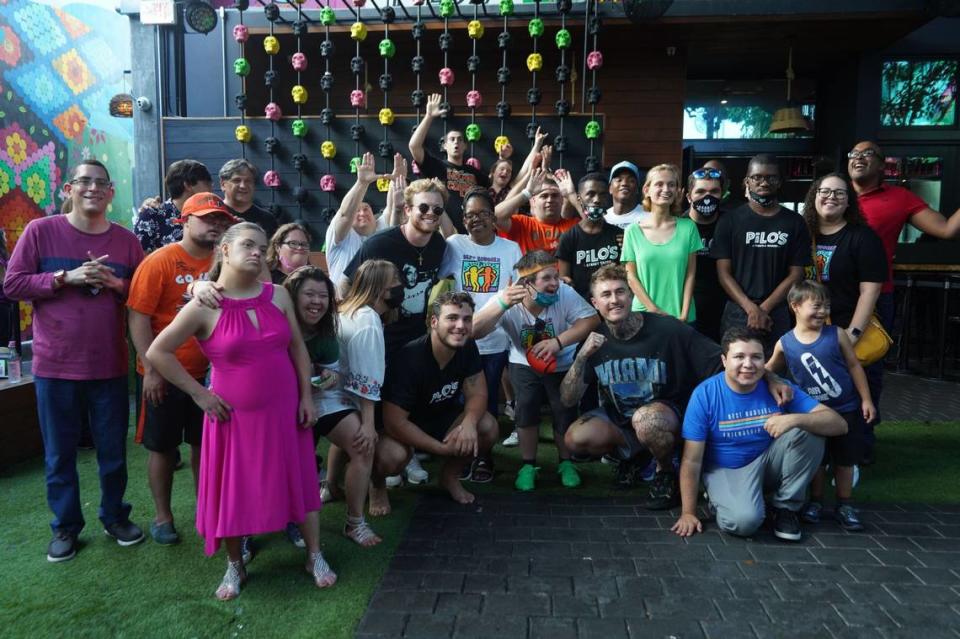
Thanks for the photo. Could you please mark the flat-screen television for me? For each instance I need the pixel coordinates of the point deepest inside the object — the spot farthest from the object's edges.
(918, 93)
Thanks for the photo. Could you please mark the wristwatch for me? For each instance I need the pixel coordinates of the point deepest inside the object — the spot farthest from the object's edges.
(856, 332)
(59, 278)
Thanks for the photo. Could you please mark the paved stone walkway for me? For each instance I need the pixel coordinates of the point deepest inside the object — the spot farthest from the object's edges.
(910, 398)
(557, 567)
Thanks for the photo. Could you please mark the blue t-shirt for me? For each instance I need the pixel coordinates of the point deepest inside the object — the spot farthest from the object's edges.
(731, 423)
(820, 369)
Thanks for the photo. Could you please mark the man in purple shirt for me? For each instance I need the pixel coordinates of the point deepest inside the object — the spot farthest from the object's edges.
(75, 269)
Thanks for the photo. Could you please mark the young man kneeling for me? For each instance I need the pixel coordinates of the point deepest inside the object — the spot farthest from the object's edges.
(435, 397)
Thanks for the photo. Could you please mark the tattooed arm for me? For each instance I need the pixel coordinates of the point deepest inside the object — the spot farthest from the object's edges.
(573, 385)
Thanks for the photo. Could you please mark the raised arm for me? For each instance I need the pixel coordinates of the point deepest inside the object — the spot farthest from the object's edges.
(527, 166)
(505, 210)
(934, 223)
(573, 385)
(423, 129)
(366, 175)
(486, 319)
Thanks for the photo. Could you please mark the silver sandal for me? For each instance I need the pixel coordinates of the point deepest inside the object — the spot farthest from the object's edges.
(233, 579)
(359, 532)
(323, 576)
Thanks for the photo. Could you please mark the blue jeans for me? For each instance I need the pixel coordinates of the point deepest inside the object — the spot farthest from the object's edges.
(61, 404)
(493, 365)
(885, 311)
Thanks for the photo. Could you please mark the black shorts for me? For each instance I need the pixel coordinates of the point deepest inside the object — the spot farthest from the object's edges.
(327, 423)
(530, 389)
(439, 425)
(847, 450)
(632, 446)
(177, 419)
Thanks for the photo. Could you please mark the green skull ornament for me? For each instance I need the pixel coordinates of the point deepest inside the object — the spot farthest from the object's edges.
(563, 39)
(241, 67)
(354, 162)
(535, 27)
(592, 130)
(299, 128)
(327, 16)
(506, 7)
(472, 132)
(387, 48)
(447, 8)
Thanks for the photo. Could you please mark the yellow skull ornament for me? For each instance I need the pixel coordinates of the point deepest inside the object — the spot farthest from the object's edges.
(271, 45)
(358, 31)
(386, 117)
(299, 94)
(328, 150)
(534, 62)
(242, 133)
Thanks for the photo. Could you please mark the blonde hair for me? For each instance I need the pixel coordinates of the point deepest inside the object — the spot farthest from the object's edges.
(676, 207)
(230, 235)
(368, 284)
(273, 250)
(425, 185)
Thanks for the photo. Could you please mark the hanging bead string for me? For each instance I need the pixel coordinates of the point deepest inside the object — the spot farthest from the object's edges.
(503, 74)
(299, 63)
(358, 97)
(593, 61)
(241, 66)
(562, 106)
(447, 9)
(416, 63)
(272, 46)
(387, 50)
(534, 64)
(328, 150)
(474, 99)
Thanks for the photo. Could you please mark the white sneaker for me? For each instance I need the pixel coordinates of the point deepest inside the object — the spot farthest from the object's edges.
(392, 481)
(512, 440)
(508, 412)
(414, 472)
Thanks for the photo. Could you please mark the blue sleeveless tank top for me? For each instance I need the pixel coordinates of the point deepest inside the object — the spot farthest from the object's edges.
(820, 369)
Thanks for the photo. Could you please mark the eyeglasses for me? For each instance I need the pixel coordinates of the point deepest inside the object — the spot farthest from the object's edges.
(87, 182)
(425, 208)
(297, 246)
(840, 194)
(862, 155)
(772, 180)
(477, 215)
(707, 174)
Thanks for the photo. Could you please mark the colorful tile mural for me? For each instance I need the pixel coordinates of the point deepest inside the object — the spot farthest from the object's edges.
(60, 62)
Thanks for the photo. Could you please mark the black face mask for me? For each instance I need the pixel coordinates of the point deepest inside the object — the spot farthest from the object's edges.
(395, 297)
(766, 201)
(595, 213)
(707, 206)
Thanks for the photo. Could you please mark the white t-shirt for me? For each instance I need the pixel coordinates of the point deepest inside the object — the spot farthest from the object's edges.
(520, 325)
(625, 219)
(482, 271)
(362, 354)
(340, 253)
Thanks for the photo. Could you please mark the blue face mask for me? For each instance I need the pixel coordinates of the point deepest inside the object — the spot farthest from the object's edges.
(546, 299)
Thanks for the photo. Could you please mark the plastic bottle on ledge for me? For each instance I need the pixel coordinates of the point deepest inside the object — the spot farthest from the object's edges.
(13, 364)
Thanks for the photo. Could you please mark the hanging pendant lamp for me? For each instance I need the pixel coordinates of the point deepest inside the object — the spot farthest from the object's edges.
(789, 119)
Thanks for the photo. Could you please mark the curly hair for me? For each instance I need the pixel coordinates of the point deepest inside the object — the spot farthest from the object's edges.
(851, 215)
(328, 324)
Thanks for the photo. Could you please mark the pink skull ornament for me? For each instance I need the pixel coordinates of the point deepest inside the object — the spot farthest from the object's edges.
(328, 183)
(594, 60)
(271, 179)
(358, 99)
(474, 162)
(446, 76)
(241, 33)
(474, 100)
(272, 111)
(299, 61)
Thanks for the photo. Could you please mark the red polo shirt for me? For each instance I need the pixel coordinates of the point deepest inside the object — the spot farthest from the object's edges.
(886, 209)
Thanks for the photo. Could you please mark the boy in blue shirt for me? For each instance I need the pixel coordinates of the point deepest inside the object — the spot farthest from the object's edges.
(822, 361)
(745, 445)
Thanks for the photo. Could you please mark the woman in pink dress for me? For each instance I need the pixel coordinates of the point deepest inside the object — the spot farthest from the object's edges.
(257, 468)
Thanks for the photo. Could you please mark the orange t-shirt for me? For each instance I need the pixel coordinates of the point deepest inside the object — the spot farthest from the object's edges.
(533, 235)
(159, 289)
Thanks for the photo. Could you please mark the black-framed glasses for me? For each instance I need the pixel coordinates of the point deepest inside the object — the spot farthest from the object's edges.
(759, 179)
(707, 174)
(476, 215)
(297, 246)
(840, 194)
(425, 208)
(87, 182)
(866, 154)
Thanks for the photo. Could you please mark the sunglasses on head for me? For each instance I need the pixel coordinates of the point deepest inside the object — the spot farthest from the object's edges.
(706, 174)
(424, 208)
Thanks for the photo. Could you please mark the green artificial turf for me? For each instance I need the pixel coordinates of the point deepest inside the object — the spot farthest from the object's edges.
(153, 591)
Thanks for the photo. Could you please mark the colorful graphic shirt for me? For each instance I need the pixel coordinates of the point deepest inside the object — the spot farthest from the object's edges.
(458, 179)
(155, 227)
(821, 370)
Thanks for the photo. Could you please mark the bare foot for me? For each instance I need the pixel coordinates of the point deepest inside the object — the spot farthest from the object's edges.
(379, 501)
(457, 491)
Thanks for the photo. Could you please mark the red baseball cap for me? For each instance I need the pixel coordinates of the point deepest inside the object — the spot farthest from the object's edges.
(200, 204)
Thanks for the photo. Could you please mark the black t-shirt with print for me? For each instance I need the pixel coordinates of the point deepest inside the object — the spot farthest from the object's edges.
(665, 360)
(259, 215)
(585, 253)
(761, 249)
(852, 255)
(707, 292)
(418, 273)
(458, 179)
(416, 383)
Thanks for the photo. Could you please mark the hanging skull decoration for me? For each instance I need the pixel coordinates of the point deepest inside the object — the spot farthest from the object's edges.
(241, 67)
(387, 48)
(500, 142)
(474, 162)
(299, 94)
(328, 183)
(591, 163)
(417, 31)
(299, 128)
(564, 6)
(328, 150)
(299, 61)
(358, 3)
(270, 145)
(560, 144)
(447, 8)
(269, 78)
(594, 25)
(241, 5)
(592, 130)
(326, 116)
(503, 110)
(299, 194)
(327, 213)
(242, 133)
(356, 132)
(241, 101)
(300, 161)
(474, 99)
(416, 63)
(385, 116)
(472, 132)
(383, 184)
(327, 17)
(532, 130)
(445, 40)
(388, 15)
(271, 45)
(271, 179)
(446, 110)
(475, 29)
(506, 7)
(326, 81)
(503, 75)
(385, 149)
(358, 99)
(594, 60)
(503, 39)
(593, 95)
(473, 63)
(299, 28)
(534, 62)
(534, 95)
(563, 39)
(446, 76)
(272, 111)
(417, 98)
(563, 73)
(356, 65)
(535, 27)
(354, 163)
(326, 48)
(386, 82)
(272, 12)
(241, 33)
(562, 107)
(358, 31)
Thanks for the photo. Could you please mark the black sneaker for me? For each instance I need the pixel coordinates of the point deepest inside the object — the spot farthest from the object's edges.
(628, 475)
(126, 533)
(786, 525)
(63, 547)
(664, 493)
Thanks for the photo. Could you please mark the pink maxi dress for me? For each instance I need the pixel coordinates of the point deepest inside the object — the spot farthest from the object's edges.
(257, 470)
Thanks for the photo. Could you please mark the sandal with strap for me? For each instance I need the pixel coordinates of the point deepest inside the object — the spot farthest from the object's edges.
(360, 532)
(481, 471)
(233, 579)
(323, 576)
